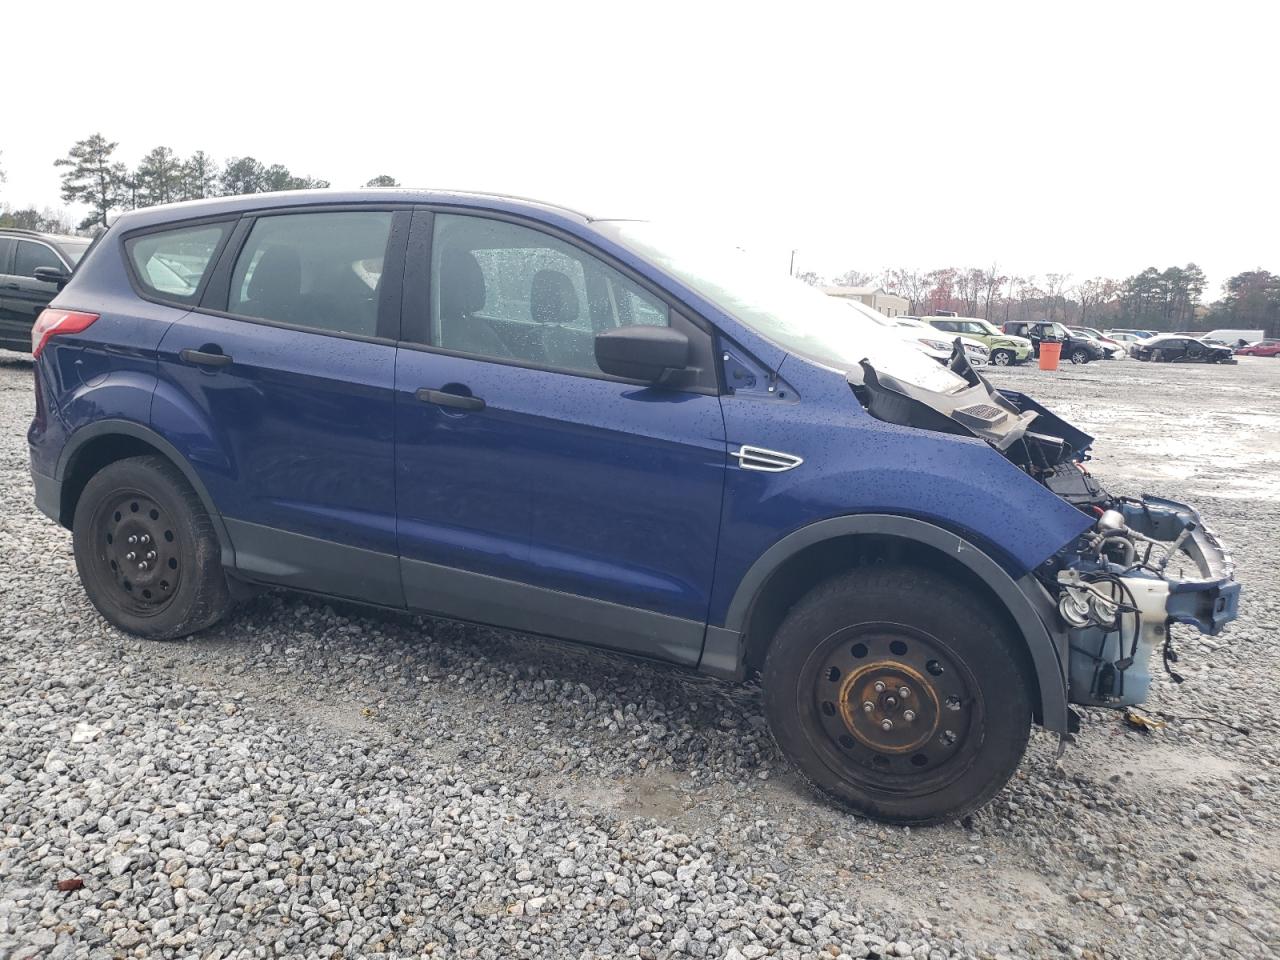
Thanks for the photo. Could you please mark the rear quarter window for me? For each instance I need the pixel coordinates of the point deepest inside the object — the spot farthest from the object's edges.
(172, 264)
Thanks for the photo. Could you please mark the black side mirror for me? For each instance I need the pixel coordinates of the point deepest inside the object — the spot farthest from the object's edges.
(642, 353)
(53, 275)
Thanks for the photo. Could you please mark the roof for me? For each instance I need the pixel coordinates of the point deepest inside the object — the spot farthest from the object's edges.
(56, 237)
(216, 206)
(857, 292)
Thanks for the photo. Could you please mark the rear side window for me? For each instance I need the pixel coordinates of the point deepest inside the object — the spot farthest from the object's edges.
(316, 270)
(6, 248)
(171, 264)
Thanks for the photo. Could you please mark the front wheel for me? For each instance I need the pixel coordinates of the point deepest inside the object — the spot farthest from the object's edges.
(146, 550)
(1002, 358)
(1079, 355)
(1157, 356)
(898, 694)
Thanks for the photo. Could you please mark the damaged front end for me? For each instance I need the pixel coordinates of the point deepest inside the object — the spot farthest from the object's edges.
(1144, 564)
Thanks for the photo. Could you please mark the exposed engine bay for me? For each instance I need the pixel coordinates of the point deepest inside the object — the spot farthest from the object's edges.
(1145, 563)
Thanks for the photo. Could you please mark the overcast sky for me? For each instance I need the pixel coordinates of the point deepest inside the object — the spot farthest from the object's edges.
(1079, 138)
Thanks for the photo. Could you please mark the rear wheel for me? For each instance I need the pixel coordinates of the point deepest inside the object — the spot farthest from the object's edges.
(146, 551)
(898, 695)
(1002, 358)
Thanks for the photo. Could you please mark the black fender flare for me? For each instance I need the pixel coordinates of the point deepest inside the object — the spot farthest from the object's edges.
(129, 428)
(1026, 601)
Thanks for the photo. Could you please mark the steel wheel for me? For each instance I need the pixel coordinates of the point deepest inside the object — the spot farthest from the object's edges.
(895, 707)
(146, 550)
(139, 551)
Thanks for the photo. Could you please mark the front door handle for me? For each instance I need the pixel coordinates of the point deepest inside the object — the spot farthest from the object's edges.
(202, 359)
(12, 286)
(443, 398)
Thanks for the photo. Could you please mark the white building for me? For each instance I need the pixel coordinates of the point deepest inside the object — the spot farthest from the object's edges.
(890, 304)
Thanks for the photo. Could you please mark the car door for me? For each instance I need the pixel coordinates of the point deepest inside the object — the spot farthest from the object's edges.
(287, 367)
(23, 295)
(10, 331)
(534, 491)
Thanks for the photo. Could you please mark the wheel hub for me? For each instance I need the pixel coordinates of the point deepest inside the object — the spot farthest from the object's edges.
(894, 707)
(889, 707)
(141, 550)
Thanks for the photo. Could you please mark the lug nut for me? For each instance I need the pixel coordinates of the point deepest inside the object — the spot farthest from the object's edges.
(908, 715)
(143, 565)
(886, 724)
(867, 706)
(146, 538)
(131, 555)
(904, 692)
(879, 686)
(133, 538)
(151, 554)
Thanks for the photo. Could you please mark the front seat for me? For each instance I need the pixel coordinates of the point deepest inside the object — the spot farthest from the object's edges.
(275, 286)
(462, 293)
(553, 304)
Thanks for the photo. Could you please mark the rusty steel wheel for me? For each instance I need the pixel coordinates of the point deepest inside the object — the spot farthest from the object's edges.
(896, 707)
(900, 693)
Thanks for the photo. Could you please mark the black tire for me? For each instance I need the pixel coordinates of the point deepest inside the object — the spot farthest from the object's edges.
(1157, 356)
(1080, 355)
(181, 589)
(1003, 358)
(904, 627)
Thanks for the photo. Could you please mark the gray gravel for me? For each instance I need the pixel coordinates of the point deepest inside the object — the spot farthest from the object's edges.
(318, 780)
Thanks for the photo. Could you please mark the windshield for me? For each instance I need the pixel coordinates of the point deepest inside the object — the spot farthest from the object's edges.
(73, 249)
(784, 310)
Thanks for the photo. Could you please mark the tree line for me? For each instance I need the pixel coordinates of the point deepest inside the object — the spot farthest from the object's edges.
(93, 177)
(1166, 300)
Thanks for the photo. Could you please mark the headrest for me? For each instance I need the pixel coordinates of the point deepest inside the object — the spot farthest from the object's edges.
(277, 276)
(552, 298)
(462, 290)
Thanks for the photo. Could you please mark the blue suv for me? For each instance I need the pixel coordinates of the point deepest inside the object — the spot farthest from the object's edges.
(607, 431)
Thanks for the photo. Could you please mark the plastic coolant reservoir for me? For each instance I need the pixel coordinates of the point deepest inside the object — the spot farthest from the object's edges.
(1131, 686)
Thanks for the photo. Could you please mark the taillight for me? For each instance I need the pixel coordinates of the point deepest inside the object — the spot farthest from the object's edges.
(52, 322)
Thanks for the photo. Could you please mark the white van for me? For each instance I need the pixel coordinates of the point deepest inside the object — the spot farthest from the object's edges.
(1233, 338)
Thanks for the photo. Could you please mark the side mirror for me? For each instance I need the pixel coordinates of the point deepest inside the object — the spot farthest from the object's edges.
(642, 353)
(53, 275)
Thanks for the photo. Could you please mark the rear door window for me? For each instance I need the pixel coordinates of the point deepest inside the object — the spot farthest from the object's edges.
(32, 255)
(6, 251)
(172, 264)
(322, 271)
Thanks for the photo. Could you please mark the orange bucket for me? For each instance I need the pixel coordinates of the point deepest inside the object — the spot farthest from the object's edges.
(1050, 354)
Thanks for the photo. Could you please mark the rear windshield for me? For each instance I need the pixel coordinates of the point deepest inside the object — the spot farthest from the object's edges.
(172, 263)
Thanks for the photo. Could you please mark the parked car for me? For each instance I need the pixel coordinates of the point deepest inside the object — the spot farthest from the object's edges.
(1075, 348)
(1172, 348)
(1124, 338)
(1263, 348)
(1005, 350)
(1113, 348)
(918, 335)
(926, 338)
(1140, 334)
(32, 265)
(607, 431)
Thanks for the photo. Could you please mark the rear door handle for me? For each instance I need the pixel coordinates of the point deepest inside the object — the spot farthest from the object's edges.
(202, 359)
(442, 398)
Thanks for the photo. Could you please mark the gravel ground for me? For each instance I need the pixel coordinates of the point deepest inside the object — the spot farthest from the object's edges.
(319, 780)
